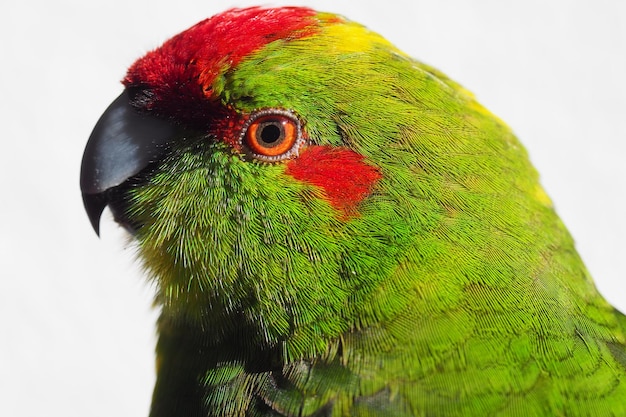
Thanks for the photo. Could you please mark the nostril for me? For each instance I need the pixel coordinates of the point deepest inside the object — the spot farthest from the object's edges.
(141, 97)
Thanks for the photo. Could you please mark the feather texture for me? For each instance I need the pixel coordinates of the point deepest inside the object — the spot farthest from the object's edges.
(405, 262)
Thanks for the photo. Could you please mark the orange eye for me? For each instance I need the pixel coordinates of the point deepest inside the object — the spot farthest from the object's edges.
(272, 135)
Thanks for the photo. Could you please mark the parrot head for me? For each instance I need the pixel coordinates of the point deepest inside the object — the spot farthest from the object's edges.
(333, 226)
(277, 166)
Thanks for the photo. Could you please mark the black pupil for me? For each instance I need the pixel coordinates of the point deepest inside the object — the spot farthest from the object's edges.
(271, 133)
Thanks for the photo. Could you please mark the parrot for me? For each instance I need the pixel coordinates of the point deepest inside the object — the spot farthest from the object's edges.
(334, 228)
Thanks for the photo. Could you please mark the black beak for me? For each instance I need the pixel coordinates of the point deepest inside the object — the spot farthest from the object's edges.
(123, 142)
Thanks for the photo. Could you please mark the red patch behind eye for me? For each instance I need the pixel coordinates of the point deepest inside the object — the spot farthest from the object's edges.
(343, 175)
(191, 60)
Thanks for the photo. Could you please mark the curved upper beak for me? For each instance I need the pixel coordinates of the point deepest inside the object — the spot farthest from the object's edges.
(123, 142)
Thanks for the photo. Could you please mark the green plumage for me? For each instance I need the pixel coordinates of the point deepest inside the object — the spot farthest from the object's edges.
(455, 290)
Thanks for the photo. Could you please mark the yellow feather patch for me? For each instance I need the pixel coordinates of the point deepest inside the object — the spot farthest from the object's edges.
(351, 37)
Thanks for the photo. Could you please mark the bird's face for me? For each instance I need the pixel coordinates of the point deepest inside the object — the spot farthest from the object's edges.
(237, 182)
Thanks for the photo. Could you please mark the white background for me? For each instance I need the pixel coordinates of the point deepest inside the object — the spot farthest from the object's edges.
(76, 325)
